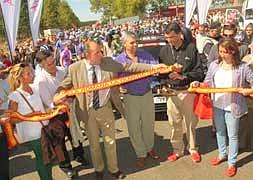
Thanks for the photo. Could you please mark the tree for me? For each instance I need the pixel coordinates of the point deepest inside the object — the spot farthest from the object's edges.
(159, 5)
(50, 15)
(67, 18)
(24, 27)
(119, 8)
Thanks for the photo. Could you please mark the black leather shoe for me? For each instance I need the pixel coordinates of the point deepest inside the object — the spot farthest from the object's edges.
(70, 172)
(118, 175)
(99, 175)
(82, 160)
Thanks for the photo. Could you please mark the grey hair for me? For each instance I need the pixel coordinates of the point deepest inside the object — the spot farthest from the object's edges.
(126, 35)
(87, 45)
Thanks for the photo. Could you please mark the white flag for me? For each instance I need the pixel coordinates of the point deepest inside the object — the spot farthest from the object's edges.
(35, 9)
(250, 4)
(190, 6)
(10, 11)
(203, 7)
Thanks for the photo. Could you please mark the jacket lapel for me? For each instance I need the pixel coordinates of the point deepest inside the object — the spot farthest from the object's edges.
(83, 80)
(83, 75)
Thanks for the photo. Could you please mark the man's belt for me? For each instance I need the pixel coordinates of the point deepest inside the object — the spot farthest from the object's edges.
(178, 87)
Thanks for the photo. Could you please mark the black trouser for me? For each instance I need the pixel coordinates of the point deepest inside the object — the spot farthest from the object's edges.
(4, 158)
(77, 151)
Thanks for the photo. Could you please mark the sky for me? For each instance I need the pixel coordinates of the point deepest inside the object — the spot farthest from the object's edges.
(82, 10)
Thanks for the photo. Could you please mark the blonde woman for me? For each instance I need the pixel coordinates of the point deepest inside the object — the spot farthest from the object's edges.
(20, 79)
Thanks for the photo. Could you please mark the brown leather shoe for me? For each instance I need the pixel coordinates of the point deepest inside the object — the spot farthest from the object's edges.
(141, 162)
(153, 154)
(99, 175)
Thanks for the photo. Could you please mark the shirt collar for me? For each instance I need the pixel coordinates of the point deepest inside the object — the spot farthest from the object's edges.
(89, 66)
(126, 56)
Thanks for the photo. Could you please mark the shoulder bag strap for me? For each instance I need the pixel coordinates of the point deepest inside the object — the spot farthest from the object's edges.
(28, 103)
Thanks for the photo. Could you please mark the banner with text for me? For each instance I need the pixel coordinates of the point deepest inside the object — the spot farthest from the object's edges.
(10, 11)
(35, 9)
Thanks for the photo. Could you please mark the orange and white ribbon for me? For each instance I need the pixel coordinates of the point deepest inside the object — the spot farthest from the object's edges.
(206, 90)
(8, 128)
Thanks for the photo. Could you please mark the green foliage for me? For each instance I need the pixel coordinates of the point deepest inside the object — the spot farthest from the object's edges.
(119, 8)
(24, 27)
(55, 14)
(67, 18)
(50, 15)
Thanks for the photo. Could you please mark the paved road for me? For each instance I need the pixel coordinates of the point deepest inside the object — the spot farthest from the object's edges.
(22, 162)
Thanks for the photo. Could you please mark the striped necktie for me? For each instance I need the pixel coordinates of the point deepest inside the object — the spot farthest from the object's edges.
(95, 93)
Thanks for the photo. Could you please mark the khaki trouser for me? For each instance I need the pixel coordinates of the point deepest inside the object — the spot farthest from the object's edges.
(140, 116)
(181, 115)
(103, 120)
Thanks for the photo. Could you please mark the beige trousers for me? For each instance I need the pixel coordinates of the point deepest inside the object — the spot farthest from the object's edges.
(181, 115)
(140, 116)
(102, 120)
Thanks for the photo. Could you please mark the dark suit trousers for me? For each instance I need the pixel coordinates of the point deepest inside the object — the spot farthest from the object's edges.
(4, 158)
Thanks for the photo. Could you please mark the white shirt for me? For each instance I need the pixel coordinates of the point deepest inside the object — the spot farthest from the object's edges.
(38, 70)
(104, 94)
(48, 84)
(200, 39)
(28, 131)
(223, 79)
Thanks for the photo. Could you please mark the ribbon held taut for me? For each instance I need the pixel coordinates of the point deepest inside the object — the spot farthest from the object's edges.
(206, 90)
(8, 128)
(12, 141)
(113, 82)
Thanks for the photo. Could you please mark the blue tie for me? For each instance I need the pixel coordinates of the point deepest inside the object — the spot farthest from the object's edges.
(95, 93)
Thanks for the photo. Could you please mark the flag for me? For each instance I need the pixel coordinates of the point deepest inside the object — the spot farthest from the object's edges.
(250, 4)
(190, 6)
(203, 7)
(34, 10)
(10, 11)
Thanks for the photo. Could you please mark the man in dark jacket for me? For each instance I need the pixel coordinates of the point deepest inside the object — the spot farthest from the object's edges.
(228, 31)
(180, 106)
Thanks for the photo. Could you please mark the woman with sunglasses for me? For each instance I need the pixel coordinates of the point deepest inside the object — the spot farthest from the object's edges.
(25, 99)
(228, 71)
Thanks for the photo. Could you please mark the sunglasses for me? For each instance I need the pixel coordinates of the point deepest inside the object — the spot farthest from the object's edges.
(46, 50)
(228, 35)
